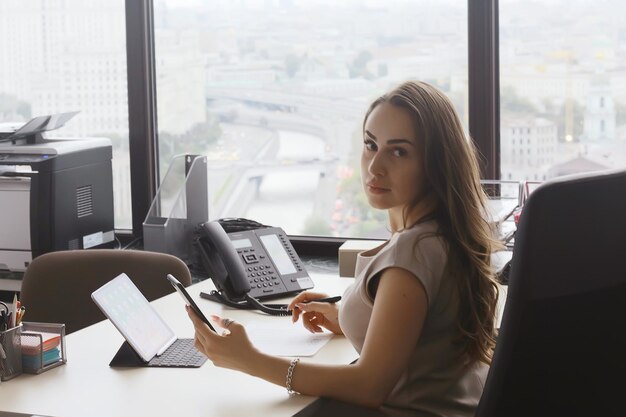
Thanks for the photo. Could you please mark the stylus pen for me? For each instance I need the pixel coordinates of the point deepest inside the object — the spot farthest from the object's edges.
(331, 300)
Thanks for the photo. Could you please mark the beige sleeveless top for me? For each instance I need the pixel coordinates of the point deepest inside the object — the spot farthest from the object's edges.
(436, 382)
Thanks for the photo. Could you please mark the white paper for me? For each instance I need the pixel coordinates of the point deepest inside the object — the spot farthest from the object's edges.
(284, 338)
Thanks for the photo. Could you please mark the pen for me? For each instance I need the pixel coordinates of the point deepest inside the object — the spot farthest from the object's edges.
(20, 315)
(331, 300)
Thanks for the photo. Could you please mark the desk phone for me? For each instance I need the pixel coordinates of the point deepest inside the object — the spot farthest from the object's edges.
(260, 263)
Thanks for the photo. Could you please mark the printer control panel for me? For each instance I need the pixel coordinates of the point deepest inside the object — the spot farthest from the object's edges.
(17, 159)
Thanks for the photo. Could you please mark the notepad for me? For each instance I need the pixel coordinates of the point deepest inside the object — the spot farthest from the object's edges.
(36, 361)
(31, 344)
(39, 349)
(281, 337)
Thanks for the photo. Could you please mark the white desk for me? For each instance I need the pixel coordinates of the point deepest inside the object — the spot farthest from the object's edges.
(87, 386)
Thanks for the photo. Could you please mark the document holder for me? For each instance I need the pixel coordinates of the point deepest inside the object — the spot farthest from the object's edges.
(180, 204)
(10, 353)
(504, 197)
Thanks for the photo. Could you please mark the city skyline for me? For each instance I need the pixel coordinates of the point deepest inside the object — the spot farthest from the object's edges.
(550, 64)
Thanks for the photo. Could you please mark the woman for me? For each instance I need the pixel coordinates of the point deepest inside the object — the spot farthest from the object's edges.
(422, 309)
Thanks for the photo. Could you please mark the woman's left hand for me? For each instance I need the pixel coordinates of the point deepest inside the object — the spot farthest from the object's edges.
(232, 349)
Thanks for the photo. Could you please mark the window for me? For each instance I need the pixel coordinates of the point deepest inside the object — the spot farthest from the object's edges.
(49, 50)
(278, 110)
(560, 68)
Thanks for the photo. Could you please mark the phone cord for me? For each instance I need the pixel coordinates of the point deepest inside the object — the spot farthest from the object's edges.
(282, 311)
(250, 303)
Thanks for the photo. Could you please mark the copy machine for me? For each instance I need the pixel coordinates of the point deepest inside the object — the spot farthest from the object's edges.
(55, 194)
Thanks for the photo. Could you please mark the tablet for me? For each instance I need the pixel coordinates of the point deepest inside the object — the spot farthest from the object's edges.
(122, 302)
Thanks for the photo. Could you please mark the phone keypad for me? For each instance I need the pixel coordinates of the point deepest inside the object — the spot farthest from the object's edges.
(262, 277)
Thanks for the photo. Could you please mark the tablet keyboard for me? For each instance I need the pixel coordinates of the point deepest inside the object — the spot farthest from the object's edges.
(181, 354)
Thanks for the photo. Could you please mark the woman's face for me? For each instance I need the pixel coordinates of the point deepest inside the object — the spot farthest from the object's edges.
(392, 167)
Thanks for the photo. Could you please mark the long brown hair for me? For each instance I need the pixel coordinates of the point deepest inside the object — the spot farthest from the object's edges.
(452, 175)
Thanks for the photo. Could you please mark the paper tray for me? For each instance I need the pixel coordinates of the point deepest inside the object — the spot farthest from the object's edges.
(43, 346)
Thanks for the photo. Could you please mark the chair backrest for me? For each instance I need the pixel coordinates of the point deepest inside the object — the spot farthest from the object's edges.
(57, 286)
(561, 350)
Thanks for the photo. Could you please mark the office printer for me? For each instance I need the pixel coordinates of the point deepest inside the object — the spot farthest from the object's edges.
(55, 194)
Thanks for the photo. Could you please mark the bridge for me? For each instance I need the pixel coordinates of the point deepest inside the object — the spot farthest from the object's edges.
(249, 177)
(331, 119)
(289, 102)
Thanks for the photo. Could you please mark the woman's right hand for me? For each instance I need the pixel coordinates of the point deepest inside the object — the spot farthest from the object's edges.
(315, 315)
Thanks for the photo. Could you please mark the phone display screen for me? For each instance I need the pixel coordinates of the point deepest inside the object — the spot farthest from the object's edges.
(241, 243)
(278, 254)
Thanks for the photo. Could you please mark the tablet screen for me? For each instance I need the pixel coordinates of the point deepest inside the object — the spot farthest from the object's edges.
(122, 302)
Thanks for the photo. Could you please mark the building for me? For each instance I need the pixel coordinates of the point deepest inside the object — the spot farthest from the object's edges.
(528, 148)
(599, 114)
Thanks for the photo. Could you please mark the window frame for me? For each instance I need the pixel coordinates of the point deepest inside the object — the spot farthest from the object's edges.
(483, 106)
(142, 115)
(484, 84)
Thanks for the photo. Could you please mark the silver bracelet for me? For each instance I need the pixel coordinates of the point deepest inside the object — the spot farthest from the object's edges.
(292, 366)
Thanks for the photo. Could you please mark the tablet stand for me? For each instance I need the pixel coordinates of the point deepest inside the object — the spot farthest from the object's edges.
(127, 357)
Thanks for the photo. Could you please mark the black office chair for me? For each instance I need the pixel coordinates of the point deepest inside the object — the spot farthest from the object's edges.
(561, 350)
(57, 286)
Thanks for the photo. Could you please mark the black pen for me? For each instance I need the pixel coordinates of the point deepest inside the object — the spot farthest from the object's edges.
(331, 300)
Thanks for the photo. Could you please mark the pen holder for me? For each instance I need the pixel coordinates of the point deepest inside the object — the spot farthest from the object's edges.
(42, 346)
(10, 353)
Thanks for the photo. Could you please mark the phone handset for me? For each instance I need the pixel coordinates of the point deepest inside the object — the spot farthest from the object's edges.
(228, 273)
(233, 276)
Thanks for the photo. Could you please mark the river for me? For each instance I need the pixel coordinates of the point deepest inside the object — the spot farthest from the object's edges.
(287, 198)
